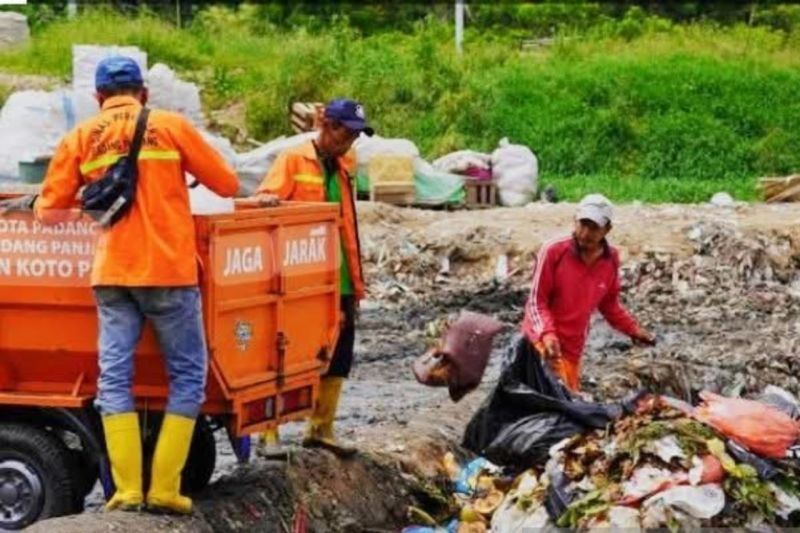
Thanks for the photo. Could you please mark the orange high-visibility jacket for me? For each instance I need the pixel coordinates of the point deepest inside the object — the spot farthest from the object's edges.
(297, 174)
(154, 243)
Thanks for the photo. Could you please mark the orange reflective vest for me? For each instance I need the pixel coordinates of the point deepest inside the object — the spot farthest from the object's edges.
(298, 175)
(154, 243)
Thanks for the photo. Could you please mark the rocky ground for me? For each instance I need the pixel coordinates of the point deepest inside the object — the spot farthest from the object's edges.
(718, 285)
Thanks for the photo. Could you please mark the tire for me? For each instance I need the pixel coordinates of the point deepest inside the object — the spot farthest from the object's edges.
(35, 476)
(202, 459)
(202, 454)
(84, 477)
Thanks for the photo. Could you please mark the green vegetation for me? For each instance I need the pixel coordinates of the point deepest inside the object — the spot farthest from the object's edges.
(631, 104)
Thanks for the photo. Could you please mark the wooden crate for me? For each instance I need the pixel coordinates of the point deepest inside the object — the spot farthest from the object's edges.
(305, 116)
(392, 193)
(480, 193)
(786, 189)
(384, 168)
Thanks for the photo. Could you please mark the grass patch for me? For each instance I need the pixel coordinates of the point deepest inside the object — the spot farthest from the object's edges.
(638, 108)
(629, 188)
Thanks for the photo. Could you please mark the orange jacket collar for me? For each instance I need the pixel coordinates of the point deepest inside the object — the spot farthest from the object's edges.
(118, 101)
(309, 151)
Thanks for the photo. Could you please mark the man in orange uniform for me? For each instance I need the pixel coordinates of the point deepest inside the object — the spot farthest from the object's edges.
(318, 171)
(144, 268)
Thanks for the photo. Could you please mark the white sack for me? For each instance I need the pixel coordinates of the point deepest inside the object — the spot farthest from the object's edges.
(515, 170)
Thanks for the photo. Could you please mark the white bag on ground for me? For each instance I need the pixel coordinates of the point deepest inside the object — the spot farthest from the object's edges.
(253, 165)
(167, 91)
(223, 146)
(516, 171)
(13, 29)
(86, 57)
(459, 162)
(32, 124)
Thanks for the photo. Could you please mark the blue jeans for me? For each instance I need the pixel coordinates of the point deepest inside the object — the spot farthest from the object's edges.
(176, 314)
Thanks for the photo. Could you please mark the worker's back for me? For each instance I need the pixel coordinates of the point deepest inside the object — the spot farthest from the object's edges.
(153, 245)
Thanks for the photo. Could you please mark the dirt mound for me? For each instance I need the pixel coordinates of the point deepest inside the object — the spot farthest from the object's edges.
(371, 491)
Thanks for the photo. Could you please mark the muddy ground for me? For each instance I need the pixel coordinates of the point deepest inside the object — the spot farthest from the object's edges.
(718, 285)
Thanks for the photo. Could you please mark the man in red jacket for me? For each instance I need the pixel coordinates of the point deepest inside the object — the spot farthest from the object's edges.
(574, 276)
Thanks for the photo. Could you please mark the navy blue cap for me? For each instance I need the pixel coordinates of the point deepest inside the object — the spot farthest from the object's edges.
(350, 113)
(116, 72)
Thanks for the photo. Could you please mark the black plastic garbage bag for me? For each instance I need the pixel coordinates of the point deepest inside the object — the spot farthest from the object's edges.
(528, 411)
(528, 440)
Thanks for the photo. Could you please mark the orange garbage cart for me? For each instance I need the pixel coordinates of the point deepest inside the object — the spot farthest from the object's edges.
(270, 287)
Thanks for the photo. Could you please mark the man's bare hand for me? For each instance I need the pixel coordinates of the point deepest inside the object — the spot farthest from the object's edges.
(552, 348)
(267, 200)
(18, 204)
(643, 336)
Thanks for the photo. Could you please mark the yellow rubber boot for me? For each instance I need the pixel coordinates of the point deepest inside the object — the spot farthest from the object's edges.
(172, 449)
(269, 445)
(270, 437)
(124, 444)
(320, 425)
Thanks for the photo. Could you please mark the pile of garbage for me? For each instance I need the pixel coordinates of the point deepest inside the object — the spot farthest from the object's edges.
(549, 456)
(727, 462)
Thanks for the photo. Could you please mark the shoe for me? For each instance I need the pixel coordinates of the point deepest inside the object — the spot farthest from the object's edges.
(269, 446)
(124, 445)
(319, 433)
(172, 449)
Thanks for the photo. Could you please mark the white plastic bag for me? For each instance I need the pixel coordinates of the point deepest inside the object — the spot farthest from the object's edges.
(459, 162)
(223, 146)
(13, 28)
(252, 166)
(516, 171)
(32, 124)
(204, 201)
(167, 91)
(86, 57)
(703, 501)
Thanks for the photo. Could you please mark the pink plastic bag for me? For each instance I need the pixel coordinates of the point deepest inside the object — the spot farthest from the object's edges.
(761, 428)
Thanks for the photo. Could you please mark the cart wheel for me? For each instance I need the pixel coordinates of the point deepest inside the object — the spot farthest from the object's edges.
(202, 458)
(35, 481)
(84, 477)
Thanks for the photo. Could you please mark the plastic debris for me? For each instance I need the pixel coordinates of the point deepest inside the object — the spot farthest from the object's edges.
(618, 518)
(510, 518)
(654, 468)
(764, 468)
(782, 399)
(760, 427)
(644, 482)
(467, 479)
(666, 448)
(786, 503)
(706, 469)
(704, 501)
(722, 199)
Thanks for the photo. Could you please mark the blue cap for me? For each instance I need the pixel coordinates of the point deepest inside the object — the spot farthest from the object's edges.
(350, 113)
(116, 72)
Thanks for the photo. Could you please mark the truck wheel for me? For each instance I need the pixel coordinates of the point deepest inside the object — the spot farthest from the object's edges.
(202, 458)
(34, 476)
(84, 477)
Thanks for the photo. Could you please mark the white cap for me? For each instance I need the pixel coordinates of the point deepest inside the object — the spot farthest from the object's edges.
(596, 208)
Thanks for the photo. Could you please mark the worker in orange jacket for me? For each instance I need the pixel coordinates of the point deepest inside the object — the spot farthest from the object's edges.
(144, 268)
(317, 171)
